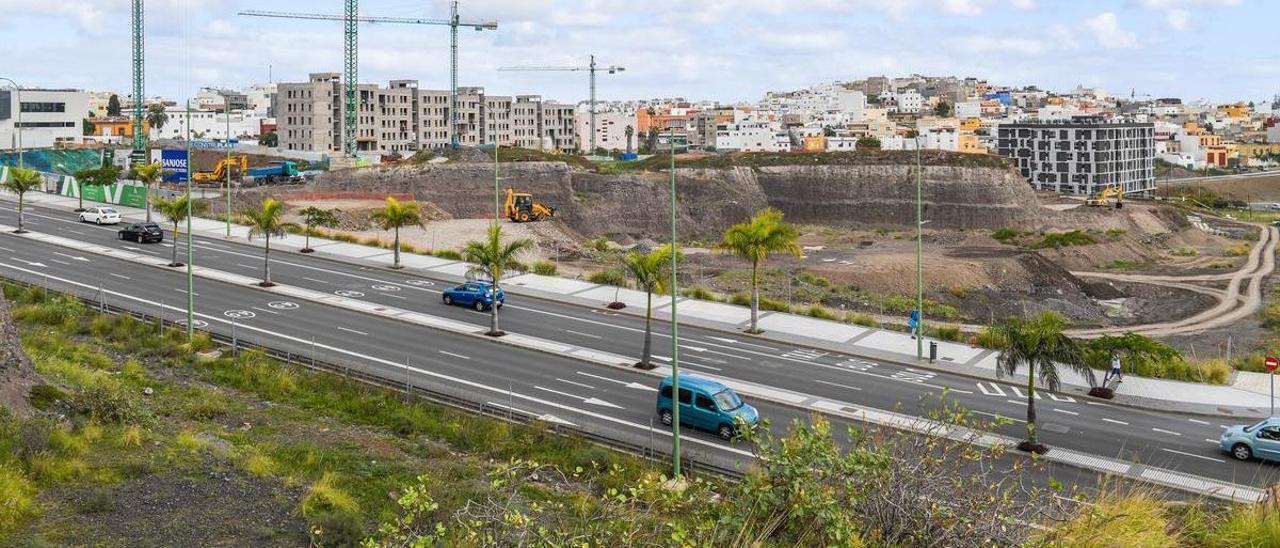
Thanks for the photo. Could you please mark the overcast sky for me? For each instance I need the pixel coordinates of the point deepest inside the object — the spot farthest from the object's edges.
(728, 50)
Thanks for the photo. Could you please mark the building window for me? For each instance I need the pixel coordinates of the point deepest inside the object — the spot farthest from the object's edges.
(44, 107)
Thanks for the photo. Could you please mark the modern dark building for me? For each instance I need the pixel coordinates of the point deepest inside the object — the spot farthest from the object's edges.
(1082, 156)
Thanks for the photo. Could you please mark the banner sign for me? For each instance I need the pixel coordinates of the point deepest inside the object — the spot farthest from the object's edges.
(125, 193)
(174, 163)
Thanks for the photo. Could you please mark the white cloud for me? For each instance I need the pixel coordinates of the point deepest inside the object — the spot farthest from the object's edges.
(1105, 28)
(1002, 45)
(1178, 19)
(1024, 4)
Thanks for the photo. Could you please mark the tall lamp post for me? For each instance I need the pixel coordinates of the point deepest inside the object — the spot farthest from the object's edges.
(191, 299)
(675, 338)
(226, 111)
(17, 95)
(919, 255)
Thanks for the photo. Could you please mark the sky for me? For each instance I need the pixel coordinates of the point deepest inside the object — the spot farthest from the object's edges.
(726, 50)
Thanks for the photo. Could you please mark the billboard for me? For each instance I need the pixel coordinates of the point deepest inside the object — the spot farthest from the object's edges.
(174, 163)
(125, 193)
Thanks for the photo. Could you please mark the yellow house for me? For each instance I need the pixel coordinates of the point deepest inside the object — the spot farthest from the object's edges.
(970, 124)
(1193, 128)
(1253, 150)
(1238, 110)
(815, 143)
(969, 143)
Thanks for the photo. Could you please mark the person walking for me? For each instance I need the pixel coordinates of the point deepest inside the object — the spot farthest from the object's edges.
(913, 323)
(1115, 369)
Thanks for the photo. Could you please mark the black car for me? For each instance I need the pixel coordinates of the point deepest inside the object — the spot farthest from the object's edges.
(142, 233)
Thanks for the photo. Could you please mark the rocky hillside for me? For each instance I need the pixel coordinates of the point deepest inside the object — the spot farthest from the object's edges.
(955, 196)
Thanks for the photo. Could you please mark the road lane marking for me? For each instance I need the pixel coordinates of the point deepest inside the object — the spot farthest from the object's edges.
(352, 331)
(1064, 399)
(998, 416)
(447, 353)
(184, 291)
(1115, 421)
(246, 266)
(1100, 404)
(1163, 431)
(583, 334)
(567, 381)
(1193, 455)
(995, 389)
(735, 341)
(314, 280)
(1198, 421)
(9, 250)
(61, 262)
(1215, 442)
(121, 276)
(265, 310)
(692, 364)
(839, 385)
(1065, 411)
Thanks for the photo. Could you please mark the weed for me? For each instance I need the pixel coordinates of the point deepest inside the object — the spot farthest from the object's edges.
(260, 465)
(131, 436)
(325, 496)
(1122, 264)
(1185, 252)
(1007, 236)
(188, 441)
(698, 292)
(1115, 233)
(545, 268)
(18, 495)
(1238, 250)
(44, 396)
(1219, 265)
(49, 469)
(450, 254)
(821, 312)
(943, 332)
(861, 319)
(107, 402)
(958, 292)
(1055, 240)
(336, 529)
(1247, 526)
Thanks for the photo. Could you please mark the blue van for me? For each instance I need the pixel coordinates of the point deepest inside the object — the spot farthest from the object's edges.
(708, 405)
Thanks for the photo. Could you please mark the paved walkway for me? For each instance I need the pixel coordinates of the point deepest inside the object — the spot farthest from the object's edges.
(1247, 396)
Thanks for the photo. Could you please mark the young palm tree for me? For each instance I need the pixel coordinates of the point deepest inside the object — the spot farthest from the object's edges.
(1040, 345)
(22, 181)
(395, 215)
(175, 210)
(492, 259)
(313, 217)
(266, 221)
(755, 240)
(148, 174)
(652, 273)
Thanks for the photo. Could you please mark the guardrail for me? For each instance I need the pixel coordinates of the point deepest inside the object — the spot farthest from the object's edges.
(692, 460)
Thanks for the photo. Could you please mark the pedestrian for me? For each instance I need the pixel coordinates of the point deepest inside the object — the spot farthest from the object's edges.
(913, 323)
(1115, 369)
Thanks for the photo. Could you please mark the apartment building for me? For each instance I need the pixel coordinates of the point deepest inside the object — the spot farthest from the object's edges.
(49, 117)
(1082, 155)
(748, 132)
(611, 130)
(401, 118)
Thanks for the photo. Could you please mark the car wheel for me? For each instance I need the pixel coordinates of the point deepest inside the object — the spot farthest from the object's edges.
(140, 239)
(665, 417)
(1241, 452)
(448, 299)
(725, 431)
(479, 306)
(98, 221)
(82, 219)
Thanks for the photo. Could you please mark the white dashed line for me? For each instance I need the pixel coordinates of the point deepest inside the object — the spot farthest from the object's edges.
(352, 331)
(1162, 431)
(121, 276)
(1193, 455)
(583, 334)
(1065, 411)
(61, 262)
(1198, 421)
(1215, 442)
(1115, 421)
(840, 385)
(455, 355)
(998, 416)
(314, 280)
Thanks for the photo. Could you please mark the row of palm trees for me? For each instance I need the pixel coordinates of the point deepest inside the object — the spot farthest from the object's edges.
(1038, 344)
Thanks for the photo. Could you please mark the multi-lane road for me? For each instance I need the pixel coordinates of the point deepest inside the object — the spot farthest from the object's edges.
(604, 401)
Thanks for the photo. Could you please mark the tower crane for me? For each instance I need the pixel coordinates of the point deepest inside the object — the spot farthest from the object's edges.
(591, 69)
(139, 153)
(350, 19)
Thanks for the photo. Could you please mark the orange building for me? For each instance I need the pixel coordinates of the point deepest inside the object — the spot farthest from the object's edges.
(815, 143)
(112, 126)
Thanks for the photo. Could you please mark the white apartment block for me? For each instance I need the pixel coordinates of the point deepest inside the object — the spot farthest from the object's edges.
(906, 102)
(402, 118)
(207, 124)
(611, 130)
(49, 117)
(1082, 156)
(749, 133)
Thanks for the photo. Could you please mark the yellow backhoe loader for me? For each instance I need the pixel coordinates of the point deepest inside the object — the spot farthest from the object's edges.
(238, 166)
(520, 208)
(1103, 198)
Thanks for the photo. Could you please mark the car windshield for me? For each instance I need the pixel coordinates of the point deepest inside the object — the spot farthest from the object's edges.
(1256, 426)
(726, 400)
(108, 211)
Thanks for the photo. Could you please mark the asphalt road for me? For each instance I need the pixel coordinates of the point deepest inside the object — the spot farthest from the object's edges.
(542, 384)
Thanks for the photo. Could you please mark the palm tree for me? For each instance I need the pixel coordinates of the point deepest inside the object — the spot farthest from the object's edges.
(22, 181)
(395, 215)
(492, 259)
(266, 221)
(651, 273)
(755, 240)
(313, 217)
(148, 174)
(630, 131)
(156, 116)
(1042, 346)
(175, 210)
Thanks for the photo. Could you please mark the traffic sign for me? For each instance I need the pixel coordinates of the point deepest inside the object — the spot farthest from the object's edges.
(1272, 363)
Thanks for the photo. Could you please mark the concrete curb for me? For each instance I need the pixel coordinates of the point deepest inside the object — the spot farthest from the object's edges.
(868, 415)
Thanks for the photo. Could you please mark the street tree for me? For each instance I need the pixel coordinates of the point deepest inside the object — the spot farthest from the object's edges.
(148, 174)
(492, 259)
(316, 217)
(175, 210)
(96, 176)
(156, 116)
(394, 215)
(764, 235)
(20, 182)
(270, 139)
(1041, 346)
(266, 221)
(652, 274)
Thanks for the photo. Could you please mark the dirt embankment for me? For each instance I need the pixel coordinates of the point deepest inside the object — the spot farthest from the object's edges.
(711, 199)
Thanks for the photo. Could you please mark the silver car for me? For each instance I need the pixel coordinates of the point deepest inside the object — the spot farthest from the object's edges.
(100, 215)
(1261, 440)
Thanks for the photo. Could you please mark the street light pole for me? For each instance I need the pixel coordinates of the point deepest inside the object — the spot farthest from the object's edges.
(675, 338)
(17, 91)
(226, 111)
(495, 182)
(191, 299)
(919, 256)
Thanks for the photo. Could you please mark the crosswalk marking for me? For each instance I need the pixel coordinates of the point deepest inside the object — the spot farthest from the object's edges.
(912, 376)
(1057, 397)
(994, 391)
(856, 364)
(805, 354)
(1019, 393)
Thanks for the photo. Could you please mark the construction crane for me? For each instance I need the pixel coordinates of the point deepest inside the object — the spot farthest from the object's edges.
(590, 69)
(139, 154)
(350, 18)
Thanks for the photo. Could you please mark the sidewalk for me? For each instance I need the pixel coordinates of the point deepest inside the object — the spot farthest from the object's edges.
(1247, 396)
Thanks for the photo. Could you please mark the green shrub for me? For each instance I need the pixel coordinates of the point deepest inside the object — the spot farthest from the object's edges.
(821, 312)
(1219, 265)
(1185, 252)
(1055, 240)
(1115, 233)
(325, 496)
(1121, 264)
(545, 268)
(773, 305)
(858, 318)
(18, 495)
(336, 530)
(43, 396)
(1006, 236)
(1238, 250)
(600, 244)
(740, 299)
(943, 332)
(1146, 357)
(451, 254)
(107, 402)
(811, 279)
(698, 292)
(608, 276)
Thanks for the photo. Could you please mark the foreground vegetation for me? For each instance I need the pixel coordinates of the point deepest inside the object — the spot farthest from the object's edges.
(133, 414)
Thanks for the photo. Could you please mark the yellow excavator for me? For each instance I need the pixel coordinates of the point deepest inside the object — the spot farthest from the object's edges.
(520, 208)
(238, 165)
(1103, 198)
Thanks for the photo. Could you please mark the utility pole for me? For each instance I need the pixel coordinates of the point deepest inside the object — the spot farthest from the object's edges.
(350, 18)
(919, 255)
(191, 295)
(675, 337)
(226, 108)
(591, 69)
(139, 153)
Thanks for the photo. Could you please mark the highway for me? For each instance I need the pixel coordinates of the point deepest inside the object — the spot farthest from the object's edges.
(608, 402)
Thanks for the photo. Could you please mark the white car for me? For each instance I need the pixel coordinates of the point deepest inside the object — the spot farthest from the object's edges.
(100, 215)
